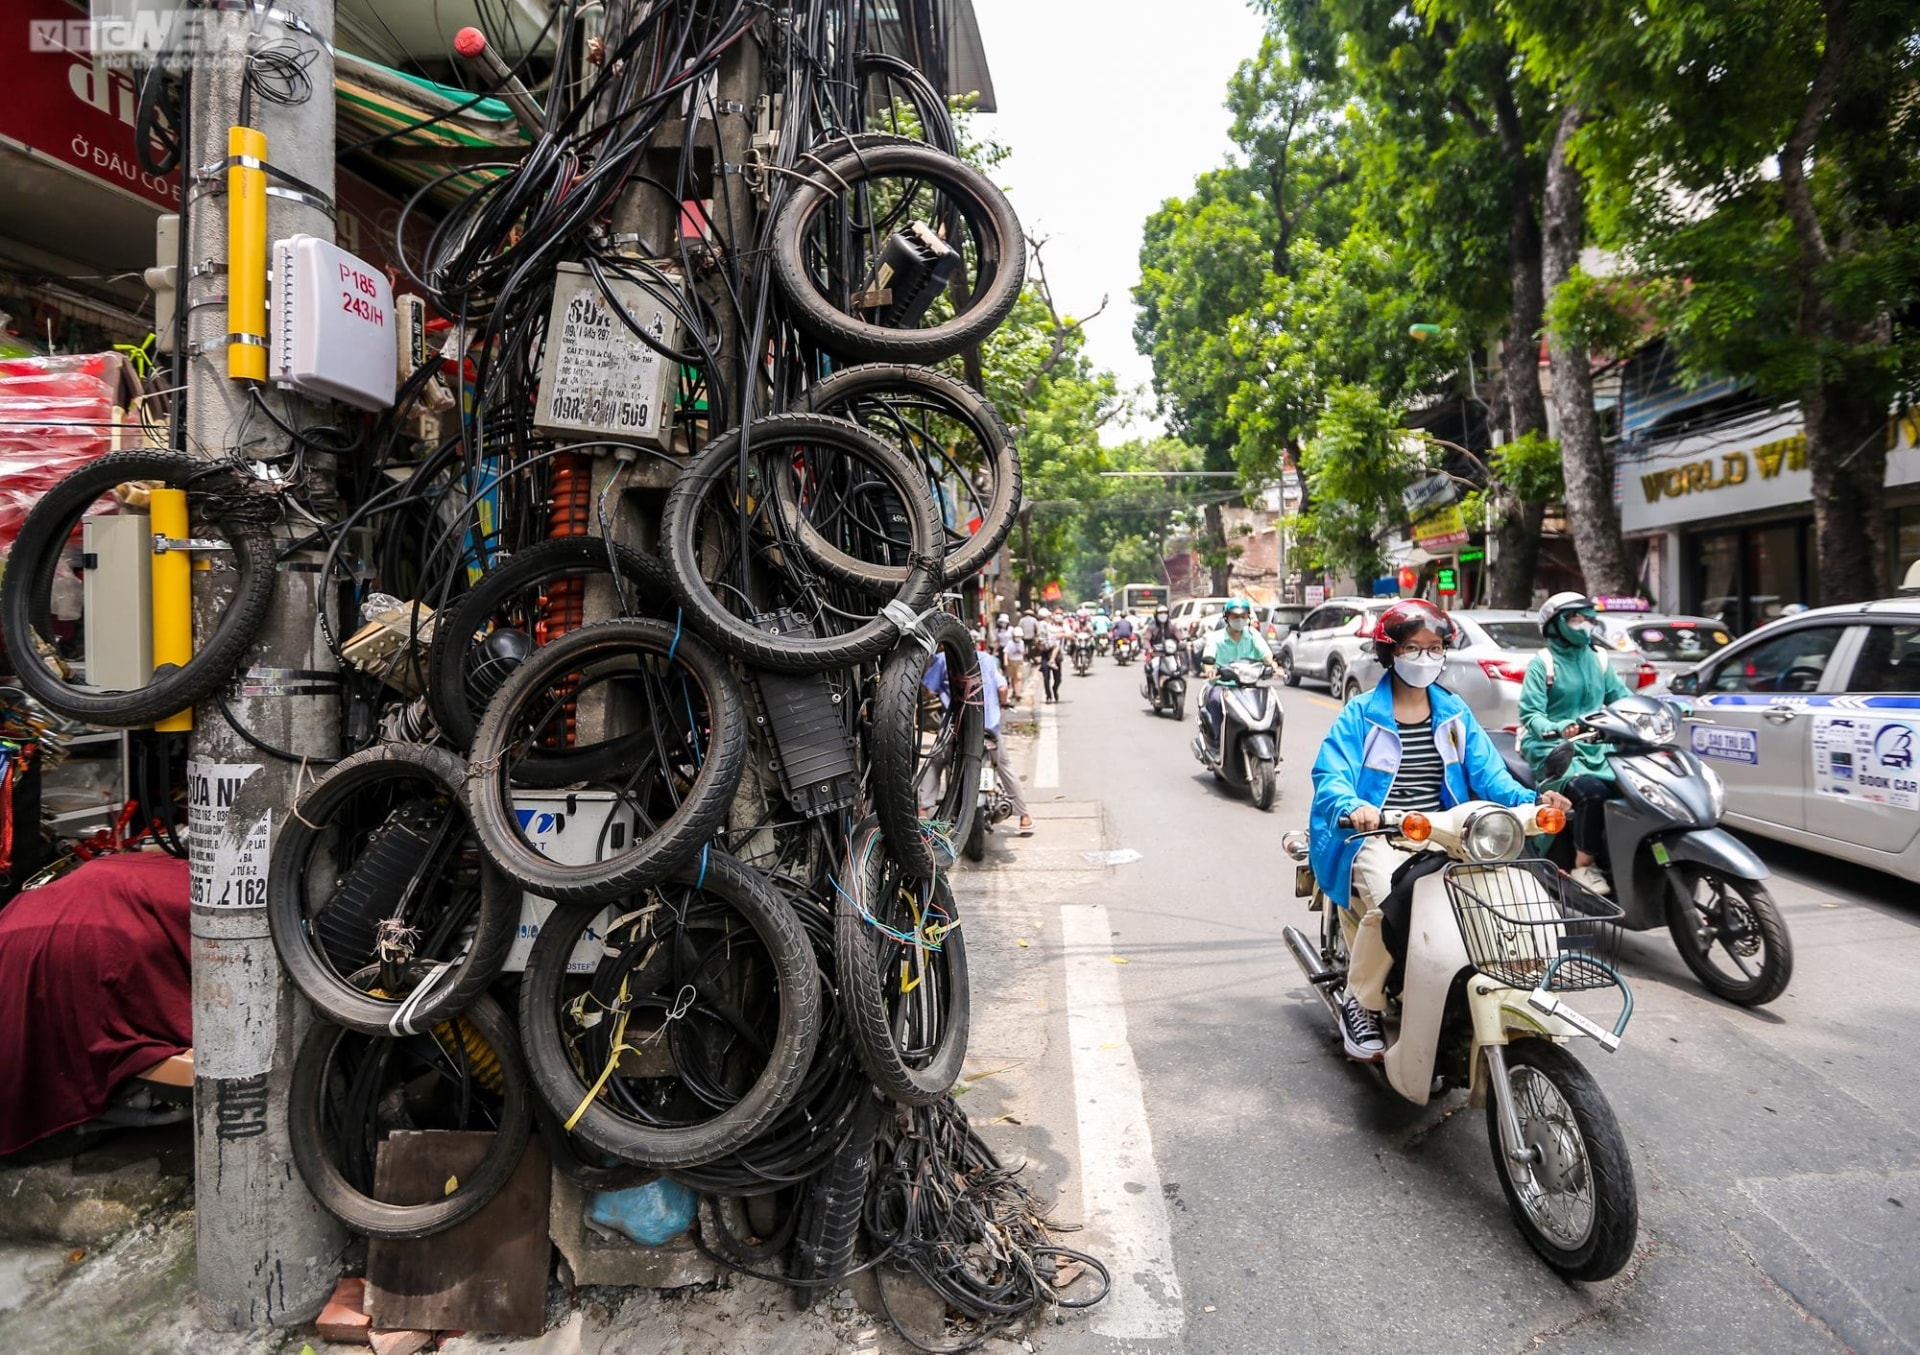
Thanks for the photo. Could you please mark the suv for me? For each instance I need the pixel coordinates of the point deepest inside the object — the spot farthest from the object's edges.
(1188, 613)
(1330, 640)
(1813, 722)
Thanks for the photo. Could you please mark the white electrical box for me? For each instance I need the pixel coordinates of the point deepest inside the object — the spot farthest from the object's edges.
(118, 593)
(333, 330)
(598, 379)
(575, 828)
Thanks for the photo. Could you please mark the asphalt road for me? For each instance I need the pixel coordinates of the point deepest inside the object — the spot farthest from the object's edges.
(1143, 1040)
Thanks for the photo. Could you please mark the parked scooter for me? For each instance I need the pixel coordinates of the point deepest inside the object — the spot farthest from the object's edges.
(1244, 752)
(994, 806)
(1494, 947)
(1081, 650)
(1667, 858)
(1163, 681)
(1126, 649)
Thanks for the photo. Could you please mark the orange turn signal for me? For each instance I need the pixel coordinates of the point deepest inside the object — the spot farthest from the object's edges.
(1416, 827)
(1549, 819)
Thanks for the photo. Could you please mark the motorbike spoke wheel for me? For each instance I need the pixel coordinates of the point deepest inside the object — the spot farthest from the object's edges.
(1260, 782)
(1575, 1201)
(1731, 935)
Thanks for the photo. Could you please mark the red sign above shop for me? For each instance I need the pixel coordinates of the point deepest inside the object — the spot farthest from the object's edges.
(69, 106)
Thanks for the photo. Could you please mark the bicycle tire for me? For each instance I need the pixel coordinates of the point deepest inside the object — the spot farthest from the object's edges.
(496, 916)
(561, 557)
(740, 637)
(1002, 249)
(306, 1135)
(862, 952)
(560, 1085)
(873, 381)
(30, 571)
(612, 646)
(895, 758)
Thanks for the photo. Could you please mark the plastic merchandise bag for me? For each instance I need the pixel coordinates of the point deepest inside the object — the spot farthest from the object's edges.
(56, 415)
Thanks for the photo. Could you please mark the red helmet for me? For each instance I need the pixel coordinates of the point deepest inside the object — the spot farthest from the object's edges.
(1406, 618)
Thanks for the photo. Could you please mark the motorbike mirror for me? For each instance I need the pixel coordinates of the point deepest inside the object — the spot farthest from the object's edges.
(1416, 827)
(1549, 819)
(1559, 760)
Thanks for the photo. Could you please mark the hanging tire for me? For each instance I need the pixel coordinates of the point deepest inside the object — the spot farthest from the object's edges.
(833, 1204)
(478, 1048)
(693, 561)
(416, 883)
(690, 1114)
(910, 1036)
(674, 799)
(1577, 1207)
(1730, 933)
(876, 396)
(969, 197)
(449, 667)
(223, 501)
(900, 757)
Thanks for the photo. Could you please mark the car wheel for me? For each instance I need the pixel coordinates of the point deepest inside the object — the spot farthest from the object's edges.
(1336, 675)
(1350, 690)
(1287, 670)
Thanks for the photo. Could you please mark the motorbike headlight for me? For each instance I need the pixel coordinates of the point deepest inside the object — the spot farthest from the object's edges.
(1651, 726)
(1716, 792)
(1493, 835)
(1661, 799)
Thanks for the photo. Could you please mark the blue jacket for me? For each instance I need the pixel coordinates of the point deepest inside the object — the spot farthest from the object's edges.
(1360, 757)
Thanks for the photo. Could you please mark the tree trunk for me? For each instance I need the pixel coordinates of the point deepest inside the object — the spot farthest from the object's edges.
(1519, 531)
(1847, 453)
(1591, 512)
(1221, 573)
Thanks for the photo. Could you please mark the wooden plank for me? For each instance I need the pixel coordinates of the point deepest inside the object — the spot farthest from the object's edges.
(487, 1274)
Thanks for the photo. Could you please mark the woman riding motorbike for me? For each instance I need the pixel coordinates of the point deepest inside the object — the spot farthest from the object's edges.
(1566, 680)
(1409, 745)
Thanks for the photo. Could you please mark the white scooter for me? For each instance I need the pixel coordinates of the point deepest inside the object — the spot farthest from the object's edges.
(1494, 946)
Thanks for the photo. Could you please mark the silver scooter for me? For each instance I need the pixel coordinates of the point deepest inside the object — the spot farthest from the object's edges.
(1670, 863)
(1163, 681)
(1246, 750)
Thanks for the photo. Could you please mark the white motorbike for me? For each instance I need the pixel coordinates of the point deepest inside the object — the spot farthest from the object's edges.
(1495, 946)
(1244, 752)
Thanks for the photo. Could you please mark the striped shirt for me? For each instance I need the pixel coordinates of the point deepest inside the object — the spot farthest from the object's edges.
(1417, 784)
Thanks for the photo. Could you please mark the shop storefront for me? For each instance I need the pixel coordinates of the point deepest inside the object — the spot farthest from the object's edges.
(1725, 516)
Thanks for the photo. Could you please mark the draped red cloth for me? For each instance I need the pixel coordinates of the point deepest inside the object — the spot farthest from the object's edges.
(95, 987)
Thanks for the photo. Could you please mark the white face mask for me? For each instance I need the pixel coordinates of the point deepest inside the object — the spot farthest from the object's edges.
(1418, 671)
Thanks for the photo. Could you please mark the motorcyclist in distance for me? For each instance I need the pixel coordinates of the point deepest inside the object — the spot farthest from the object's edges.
(1410, 744)
(1238, 641)
(1160, 628)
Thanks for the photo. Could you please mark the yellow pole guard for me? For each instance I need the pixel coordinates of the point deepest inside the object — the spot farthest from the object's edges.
(246, 256)
(172, 594)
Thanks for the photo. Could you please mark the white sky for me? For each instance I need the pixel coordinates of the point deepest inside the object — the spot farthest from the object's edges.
(1110, 107)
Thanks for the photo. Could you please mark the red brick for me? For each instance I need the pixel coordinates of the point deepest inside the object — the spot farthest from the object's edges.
(401, 1342)
(344, 1320)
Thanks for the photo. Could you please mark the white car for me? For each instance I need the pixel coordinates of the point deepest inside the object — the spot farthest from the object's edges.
(1672, 644)
(1813, 722)
(1329, 641)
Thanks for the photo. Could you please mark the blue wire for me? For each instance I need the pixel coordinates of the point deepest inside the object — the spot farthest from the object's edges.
(704, 851)
(679, 617)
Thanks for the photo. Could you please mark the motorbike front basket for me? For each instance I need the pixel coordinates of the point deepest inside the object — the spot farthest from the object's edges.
(1525, 929)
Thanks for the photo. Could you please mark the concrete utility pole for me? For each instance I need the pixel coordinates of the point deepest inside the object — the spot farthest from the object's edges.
(267, 1254)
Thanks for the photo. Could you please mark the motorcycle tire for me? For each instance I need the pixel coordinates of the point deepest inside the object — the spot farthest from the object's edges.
(1177, 707)
(872, 971)
(1000, 242)
(454, 709)
(301, 848)
(738, 635)
(550, 1053)
(582, 657)
(897, 762)
(1607, 1242)
(1764, 928)
(975, 847)
(1260, 785)
(25, 591)
(868, 394)
(486, 1029)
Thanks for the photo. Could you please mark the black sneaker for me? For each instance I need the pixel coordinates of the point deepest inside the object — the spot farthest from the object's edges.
(1360, 1032)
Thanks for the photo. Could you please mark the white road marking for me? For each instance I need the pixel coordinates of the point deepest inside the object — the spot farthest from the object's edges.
(1125, 1211)
(1046, 756)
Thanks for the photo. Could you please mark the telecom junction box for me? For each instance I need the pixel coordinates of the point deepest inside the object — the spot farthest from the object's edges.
(598, 379)
(333, 330)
